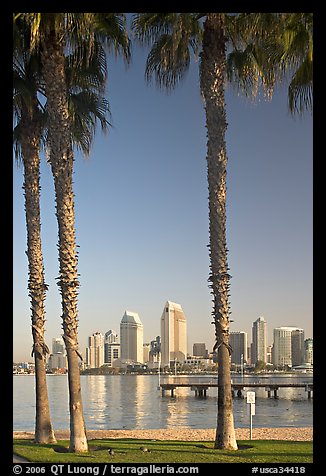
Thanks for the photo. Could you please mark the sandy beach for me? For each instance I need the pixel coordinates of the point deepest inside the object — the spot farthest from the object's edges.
(188, 434)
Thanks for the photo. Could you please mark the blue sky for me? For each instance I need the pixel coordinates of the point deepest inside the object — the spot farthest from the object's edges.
(142, 215)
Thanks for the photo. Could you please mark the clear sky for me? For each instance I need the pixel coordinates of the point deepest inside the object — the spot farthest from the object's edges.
(141, 214)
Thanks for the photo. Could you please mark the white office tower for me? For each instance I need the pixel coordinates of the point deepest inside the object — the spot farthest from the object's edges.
(58, 346)
(288, 348)
(95, 351)
(259, 341)
(173, 334)
(131, 338)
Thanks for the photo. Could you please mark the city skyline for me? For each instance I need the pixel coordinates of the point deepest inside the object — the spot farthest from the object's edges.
(116, 338)
(141, 214)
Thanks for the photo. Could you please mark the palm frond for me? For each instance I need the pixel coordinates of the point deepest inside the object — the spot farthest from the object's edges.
(86, 109)
(249, 70)
(171, 37)
(147, 27)
(167, 63)
(300, 92)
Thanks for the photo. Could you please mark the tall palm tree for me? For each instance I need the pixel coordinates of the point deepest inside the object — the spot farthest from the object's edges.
(54, 34)
(87, 106)
(171, 37)
(27, 140)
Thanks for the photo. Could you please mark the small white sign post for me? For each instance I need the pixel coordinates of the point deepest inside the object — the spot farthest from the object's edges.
(251, 396)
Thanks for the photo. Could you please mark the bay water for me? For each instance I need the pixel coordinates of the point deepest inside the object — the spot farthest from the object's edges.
(113, 402)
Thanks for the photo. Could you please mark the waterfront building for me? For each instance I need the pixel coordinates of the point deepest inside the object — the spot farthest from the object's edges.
(288, 346)
(95, 351)
(297, 347)
(111, 337)
(146, 351)
(259, 341)
(249, 349)
(113, 355)
(239, 343)
(309, 351)
(154, 352)
(58, 346)
(199, 350)
(57, 361)
(131, 338)
(111, 348)
(173, 334)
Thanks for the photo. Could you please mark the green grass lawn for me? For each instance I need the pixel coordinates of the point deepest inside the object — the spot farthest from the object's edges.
(128, 451)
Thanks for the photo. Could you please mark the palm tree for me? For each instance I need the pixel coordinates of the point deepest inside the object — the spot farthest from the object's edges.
(87, 105)
(172, 36)
(53, 33)
(27, 140)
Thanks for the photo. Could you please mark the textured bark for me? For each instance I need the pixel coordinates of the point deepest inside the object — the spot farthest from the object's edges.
(36, 284)
(212, 79)
(61, 159)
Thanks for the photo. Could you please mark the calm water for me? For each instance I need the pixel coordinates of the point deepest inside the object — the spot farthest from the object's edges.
(133, 402)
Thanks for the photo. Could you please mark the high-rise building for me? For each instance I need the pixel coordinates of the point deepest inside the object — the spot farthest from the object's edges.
(269, 354)
(111, 348)
(155, 350)
(146, 351)
(239, 343)
(58, 359)
(131, 338)
(297, 347)
(58, 346)
(288, 346)
(95, 351)
(199, 350)
(309, 351)
(259, 341)
(173, 334)
(113, 355)
(111, 337)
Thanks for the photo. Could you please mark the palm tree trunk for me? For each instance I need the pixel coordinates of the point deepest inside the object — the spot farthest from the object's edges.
(36, 284)
(61, 158)
(212, 79)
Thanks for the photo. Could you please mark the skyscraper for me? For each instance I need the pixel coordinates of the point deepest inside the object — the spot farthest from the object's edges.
(58, 346)
(155, 350)
(111, 348)
(297, 347)
(309, 351)
(239, 344)
(131, 338)
(173, 334)
(58, 359)
(95, 351)
(288, 347)
(259, 341)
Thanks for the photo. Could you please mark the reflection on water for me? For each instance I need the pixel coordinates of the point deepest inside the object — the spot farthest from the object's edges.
(134, 402)
(177, 408)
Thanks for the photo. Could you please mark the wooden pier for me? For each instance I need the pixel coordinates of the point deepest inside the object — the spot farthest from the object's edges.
(200, 387)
